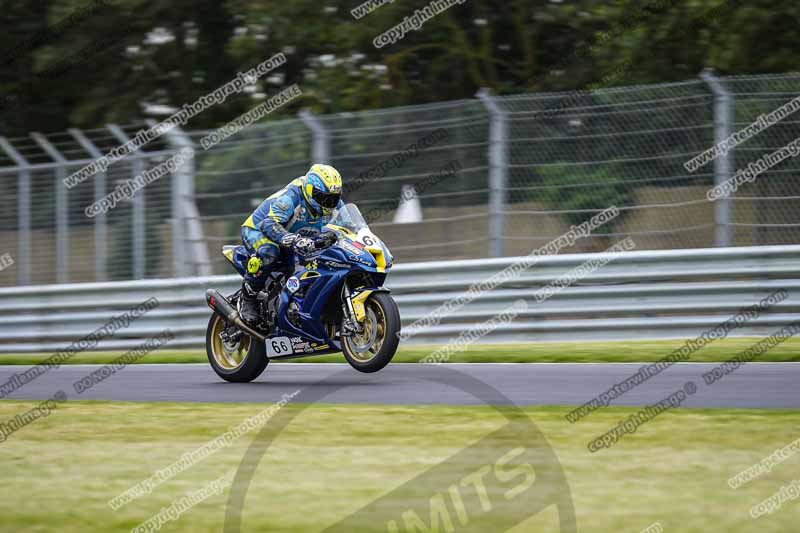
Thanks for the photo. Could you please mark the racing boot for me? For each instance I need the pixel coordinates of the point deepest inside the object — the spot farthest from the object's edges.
(249, 304)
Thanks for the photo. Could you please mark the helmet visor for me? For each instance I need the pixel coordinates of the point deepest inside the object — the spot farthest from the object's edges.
(328, 200)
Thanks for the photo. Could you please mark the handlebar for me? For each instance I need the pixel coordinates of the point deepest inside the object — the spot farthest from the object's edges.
(325, 240)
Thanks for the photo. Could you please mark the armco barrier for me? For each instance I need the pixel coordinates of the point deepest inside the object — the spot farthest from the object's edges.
(639, 295)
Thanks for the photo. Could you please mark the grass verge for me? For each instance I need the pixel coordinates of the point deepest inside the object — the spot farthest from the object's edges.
(563, 352)
(59, 472)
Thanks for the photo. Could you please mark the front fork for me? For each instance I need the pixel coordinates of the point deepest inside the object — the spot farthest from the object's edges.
(351, 324)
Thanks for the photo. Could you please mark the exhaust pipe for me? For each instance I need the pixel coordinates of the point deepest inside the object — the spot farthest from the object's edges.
(220, 305)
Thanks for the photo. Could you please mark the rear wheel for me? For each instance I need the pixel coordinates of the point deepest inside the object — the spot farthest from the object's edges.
(240, 360)
(372, 349)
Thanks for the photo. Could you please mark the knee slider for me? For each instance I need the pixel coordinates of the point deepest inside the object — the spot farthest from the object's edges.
(254, 265)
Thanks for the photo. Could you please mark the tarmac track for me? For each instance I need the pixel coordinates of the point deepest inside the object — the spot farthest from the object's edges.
(754, 385)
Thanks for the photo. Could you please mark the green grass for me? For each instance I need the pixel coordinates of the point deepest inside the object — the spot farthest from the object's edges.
(563, 352)
(58, 473)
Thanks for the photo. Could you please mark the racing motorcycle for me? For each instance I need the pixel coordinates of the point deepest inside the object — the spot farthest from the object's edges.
(332, 300)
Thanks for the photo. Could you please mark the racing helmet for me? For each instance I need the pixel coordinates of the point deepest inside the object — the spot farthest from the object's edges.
(322, 188)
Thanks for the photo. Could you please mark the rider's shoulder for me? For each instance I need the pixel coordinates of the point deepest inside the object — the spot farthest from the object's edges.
(293, 191)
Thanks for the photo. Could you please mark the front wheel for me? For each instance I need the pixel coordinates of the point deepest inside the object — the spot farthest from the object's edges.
(372, 349)
(241, 360)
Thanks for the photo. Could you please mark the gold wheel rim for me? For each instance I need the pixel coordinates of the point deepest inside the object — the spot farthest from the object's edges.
(229, 357)
(365, 346)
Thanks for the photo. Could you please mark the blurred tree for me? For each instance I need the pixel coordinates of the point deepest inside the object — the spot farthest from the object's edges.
(169, 53)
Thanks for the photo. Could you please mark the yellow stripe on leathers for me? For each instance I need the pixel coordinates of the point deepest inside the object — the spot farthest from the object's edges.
(249, 223)
(258, 244)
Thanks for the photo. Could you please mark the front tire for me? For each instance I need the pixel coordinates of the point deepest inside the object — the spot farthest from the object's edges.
(375, 348)
(241, 362)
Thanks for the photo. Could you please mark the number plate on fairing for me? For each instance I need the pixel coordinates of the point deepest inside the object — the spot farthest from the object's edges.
(278, 346)
(367, 238)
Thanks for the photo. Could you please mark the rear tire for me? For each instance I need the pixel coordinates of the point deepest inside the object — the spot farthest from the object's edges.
(240, 363)
(366, 356)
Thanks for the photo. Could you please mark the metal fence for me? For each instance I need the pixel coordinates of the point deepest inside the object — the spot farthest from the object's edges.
(529, 166)
(638, 295)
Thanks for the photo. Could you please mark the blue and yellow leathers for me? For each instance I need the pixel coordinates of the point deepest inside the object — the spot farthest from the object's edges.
(287, 211)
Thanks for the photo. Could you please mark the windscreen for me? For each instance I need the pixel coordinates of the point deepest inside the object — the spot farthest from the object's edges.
(349, 217)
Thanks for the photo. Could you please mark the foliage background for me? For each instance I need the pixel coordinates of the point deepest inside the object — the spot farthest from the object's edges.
(107, 67)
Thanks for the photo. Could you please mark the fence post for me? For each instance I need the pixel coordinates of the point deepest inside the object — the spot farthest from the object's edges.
(321, 143)
(100, 219)
(62, 211)
(139, 226)
(189, 241)
(498, 163)
(23, 259)
(723, 128)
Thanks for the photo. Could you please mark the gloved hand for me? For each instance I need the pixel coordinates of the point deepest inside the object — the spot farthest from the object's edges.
(288, 239)
(304, 245)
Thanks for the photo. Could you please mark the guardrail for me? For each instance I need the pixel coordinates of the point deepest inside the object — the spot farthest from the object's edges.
(639, 295)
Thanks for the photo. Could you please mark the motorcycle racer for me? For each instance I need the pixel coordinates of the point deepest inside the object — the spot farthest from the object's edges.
(288, 220)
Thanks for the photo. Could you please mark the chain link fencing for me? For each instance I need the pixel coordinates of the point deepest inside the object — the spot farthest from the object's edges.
(573, 155)
(522, 169)
(765, 211)
(44, 224)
